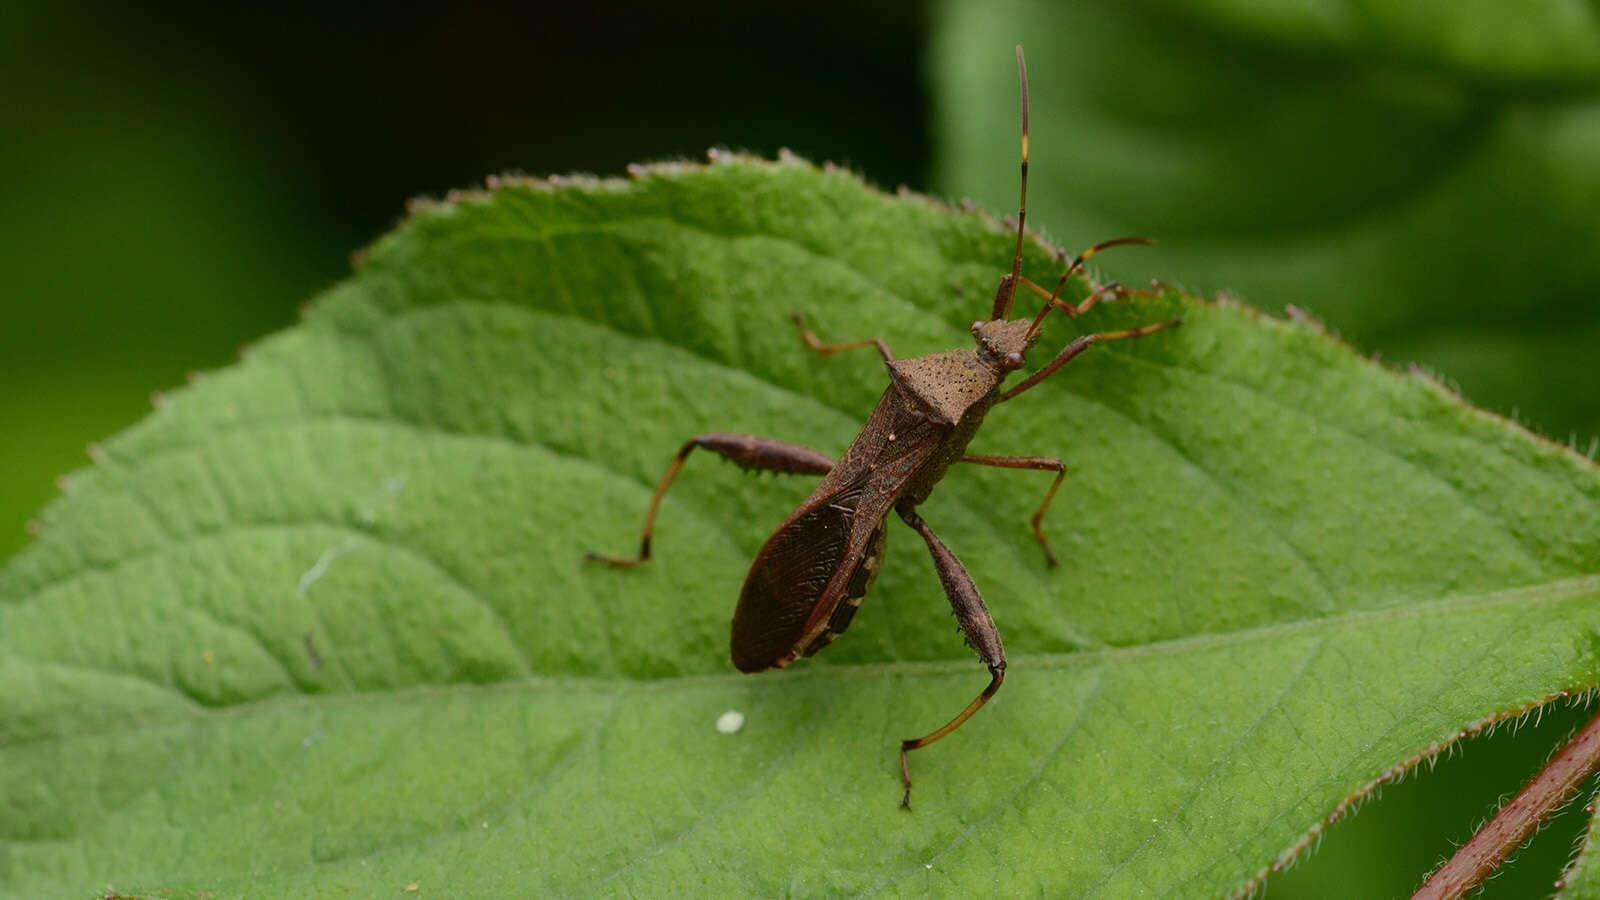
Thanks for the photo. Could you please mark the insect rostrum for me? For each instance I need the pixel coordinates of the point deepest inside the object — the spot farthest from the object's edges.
(807, 581)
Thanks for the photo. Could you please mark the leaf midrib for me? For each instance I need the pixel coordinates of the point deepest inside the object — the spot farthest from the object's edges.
(1527, 595)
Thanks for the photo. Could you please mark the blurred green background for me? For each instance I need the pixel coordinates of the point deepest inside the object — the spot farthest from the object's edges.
(176, 179)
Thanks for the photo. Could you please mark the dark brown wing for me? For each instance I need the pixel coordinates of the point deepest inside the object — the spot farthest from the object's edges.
(855, 590)
(785, 584)
(792, 595)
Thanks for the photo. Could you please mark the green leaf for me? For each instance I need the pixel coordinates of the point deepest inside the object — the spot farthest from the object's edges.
(321, 624)
(1579, 882)
(1423, 175)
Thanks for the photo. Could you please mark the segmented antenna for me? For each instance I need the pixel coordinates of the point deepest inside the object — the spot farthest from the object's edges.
(1002, 301)
(1077, 263)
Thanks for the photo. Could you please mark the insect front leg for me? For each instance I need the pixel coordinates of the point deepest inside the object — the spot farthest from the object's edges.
(746, 451)
(1043, 463)
(1072, 350)
(1096, 289)
(829, 349)
(977, 626)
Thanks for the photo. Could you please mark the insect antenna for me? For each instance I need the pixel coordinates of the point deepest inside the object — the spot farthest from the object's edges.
(1004, 297)
(1053, 299)
(1008, 289)
(1084, 256)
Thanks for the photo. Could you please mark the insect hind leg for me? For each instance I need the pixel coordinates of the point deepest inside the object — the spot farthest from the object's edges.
(747, 451)
(977, 626)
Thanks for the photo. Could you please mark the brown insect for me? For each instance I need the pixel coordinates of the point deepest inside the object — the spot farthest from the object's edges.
(810, 577)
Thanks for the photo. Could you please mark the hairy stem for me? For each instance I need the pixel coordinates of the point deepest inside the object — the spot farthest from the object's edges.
(1517, 820)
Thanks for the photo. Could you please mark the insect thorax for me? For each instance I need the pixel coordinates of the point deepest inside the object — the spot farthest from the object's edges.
(944, 385)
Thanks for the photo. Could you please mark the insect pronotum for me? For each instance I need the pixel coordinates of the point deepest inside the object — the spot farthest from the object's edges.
(810, 577)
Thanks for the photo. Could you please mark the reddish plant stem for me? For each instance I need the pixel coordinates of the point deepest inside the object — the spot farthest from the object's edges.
(1517, 820)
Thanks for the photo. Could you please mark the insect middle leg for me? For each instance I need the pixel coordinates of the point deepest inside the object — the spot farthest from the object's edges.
(829, 349)
(747, 451)
(1043, 463)
(977, 626)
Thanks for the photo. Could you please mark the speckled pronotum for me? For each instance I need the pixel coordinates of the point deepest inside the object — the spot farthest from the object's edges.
(812, 574)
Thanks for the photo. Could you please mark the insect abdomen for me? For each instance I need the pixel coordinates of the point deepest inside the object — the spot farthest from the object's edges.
(855, 591)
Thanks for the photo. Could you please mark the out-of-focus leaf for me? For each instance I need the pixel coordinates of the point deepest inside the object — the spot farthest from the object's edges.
(1426, 177)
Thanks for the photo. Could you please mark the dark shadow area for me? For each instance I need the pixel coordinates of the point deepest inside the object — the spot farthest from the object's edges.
(178, 177)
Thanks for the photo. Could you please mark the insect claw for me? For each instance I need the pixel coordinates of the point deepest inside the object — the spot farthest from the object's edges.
(905, 773)
(615, 562)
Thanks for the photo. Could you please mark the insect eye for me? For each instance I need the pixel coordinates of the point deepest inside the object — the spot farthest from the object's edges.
(1014, 360)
